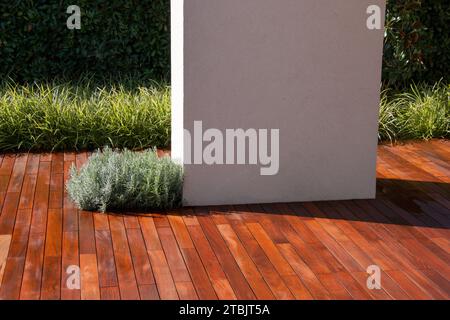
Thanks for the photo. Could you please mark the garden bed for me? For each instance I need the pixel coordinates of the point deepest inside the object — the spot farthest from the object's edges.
(84, 115)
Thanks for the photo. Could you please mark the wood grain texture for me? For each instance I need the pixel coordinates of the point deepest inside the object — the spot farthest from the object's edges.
(308, 250)
(5, 241)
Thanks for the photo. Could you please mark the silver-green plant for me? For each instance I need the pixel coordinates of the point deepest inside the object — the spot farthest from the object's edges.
(118, 180)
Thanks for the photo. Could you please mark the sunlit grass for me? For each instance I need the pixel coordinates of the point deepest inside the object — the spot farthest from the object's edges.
(423, 112)
(83, 115)
(87, 115)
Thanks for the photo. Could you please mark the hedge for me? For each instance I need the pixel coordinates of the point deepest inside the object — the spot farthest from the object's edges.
(417, 42)
(116, 37)
(133, 37)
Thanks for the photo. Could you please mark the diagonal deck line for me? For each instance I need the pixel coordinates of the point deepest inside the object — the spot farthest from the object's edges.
(283, 251)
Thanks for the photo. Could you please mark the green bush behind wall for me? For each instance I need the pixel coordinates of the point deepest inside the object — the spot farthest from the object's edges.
(417, 42)
(133, 37)
(116, 37)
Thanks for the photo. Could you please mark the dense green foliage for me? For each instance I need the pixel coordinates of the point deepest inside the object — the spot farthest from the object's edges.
(422, 112)
(81, 115)
(116, 37)
(113, 180)
(128, 42)
(133, 37)
(417, 42)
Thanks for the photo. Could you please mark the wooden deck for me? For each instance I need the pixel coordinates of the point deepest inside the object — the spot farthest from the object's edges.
(279, 251)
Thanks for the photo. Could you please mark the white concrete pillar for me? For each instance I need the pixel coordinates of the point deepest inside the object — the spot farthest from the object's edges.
(308, 70)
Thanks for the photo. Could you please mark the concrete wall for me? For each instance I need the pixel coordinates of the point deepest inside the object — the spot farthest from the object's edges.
(311, 69)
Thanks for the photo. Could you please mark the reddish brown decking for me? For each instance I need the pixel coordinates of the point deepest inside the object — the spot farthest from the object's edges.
(280, 251)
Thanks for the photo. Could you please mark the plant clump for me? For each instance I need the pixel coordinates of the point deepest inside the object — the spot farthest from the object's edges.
(118, 180)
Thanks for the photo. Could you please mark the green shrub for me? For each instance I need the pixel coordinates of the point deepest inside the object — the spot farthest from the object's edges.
(116, 37)
(81, 115)
(423, 112)
(417, 42)
(133, 37)
(126, 180)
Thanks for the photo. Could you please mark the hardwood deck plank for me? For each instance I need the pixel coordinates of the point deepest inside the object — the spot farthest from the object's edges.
(354, 287)
(56, 198)
(46, 157)
(161, 220)
(330, 243)
(107, 272)
(51, 284)
(173, 254)
(212, 266)
(51, 275)
(180, 231)
(164, 282)
(40, 204)
(28, 190)
(283, 251)
(393, 288)
(149, 233)
(295, 216)
(407, 171)
(7, 165)
(392, 247)
(360, 234)
(308, 277)
(186, 290)
(124, 264)
(314, 252)
(101, 222)
(56, 195)
(269, 222)
(53, 240)
(149, 292)
(246, 264)
(433, 261)
(358, 253)
(336, 289)
(70, 267)
(193, 263)
(414, 291)
(163, 277)
(270, 249)
(282, 287)
(19, 242)
(32, 275)
(90, 288)
(131, 221)
(109, 293)
(70, 245)
(5, 242)
(198, 274)
(18, 173)
(67, 203)
(8, 212)
(443, 243)
(229, 266)
(33, 270)
(441, 282)
(427, 285)
(86, 232)
(376, 294)
(297, 287)
(141, 262)
(12, 278)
